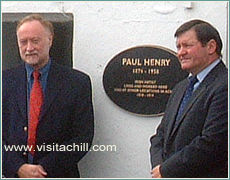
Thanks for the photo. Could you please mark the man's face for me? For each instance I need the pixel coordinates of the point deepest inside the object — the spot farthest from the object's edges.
(192, 55)
(34, 43)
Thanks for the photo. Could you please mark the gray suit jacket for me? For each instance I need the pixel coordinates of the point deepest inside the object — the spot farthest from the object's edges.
(198, 146)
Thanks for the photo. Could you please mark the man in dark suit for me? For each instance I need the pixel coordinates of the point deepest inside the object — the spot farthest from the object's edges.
(65, 115)
(192, 138)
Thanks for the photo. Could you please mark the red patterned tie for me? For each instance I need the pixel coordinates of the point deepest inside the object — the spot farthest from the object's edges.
(36, 100)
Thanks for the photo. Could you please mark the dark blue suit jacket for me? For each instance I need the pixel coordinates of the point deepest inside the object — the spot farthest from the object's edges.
(198, 146)
(66, 119)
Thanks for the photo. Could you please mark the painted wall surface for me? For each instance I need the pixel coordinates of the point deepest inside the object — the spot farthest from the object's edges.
(103, 29)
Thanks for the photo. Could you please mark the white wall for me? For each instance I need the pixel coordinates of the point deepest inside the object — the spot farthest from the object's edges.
(102, 30)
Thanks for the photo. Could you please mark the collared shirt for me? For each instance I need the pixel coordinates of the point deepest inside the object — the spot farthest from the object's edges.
(30, 80)
(201, 75)
(43, 78)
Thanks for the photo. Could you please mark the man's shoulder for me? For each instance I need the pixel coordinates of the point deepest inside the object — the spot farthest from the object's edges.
(218, 75)
(13, 72)
(180, 84)
(68, 73)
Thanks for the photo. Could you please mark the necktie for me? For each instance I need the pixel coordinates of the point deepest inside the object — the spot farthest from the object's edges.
(36, 100)
(187, 95)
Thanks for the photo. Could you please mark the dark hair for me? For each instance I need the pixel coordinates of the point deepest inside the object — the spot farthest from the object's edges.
(204, 32)
(36, 17)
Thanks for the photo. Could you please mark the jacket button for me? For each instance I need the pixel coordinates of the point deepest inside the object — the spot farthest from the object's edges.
(25, 128)
(24, 153)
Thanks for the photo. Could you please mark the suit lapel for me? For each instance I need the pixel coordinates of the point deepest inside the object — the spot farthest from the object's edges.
(199, 91)
(173, 112)
(21, 90)
(54, 84)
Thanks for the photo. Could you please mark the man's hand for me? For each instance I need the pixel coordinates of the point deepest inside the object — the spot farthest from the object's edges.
(156, 172)
(31, 171)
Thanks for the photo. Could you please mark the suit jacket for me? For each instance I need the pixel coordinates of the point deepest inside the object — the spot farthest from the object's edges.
(198, 146)
(66, 119)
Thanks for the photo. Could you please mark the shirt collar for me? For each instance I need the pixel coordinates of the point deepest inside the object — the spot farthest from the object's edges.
(43, 71)
(201, 75)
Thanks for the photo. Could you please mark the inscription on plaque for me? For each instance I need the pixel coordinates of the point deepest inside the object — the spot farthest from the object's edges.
(140, 80)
